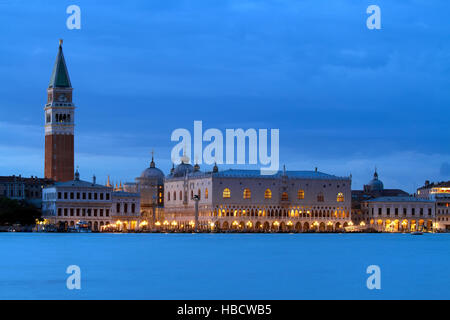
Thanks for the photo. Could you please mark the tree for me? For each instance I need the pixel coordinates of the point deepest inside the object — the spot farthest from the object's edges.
(20, 212)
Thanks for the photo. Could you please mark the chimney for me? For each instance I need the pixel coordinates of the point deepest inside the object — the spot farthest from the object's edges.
(94, 179)
(316, 169)
(427, 182)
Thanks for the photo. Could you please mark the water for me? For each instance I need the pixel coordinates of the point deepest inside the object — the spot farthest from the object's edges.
(224, 266)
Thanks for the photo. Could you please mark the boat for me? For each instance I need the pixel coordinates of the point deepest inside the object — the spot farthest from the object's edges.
(80, 227)
(417, 233)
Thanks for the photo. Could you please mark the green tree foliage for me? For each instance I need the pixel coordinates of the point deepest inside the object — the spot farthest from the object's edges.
(14, 211)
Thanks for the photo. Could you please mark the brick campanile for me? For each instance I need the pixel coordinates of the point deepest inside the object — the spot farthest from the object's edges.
(59, 123)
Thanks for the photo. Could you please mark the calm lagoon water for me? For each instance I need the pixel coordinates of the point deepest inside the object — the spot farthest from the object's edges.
(224, 266)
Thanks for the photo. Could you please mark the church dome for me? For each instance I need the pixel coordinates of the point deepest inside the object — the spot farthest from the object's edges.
(153, 172)
(375, 184)
(183, 169)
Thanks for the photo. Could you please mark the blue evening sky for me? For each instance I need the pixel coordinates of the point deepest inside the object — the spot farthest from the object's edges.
(345, 98)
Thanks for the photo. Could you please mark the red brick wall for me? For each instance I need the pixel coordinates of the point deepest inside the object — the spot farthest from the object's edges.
(59, 157)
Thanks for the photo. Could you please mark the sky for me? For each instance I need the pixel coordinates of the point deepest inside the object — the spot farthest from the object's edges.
(346, 99)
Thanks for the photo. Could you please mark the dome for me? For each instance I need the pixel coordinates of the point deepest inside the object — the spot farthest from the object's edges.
(153, 172)
(182, 169)
(375, 184)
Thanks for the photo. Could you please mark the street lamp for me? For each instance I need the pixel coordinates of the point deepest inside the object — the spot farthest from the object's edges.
(196, 199)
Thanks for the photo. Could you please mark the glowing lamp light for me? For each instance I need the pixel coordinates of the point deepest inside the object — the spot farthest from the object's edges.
(157, 223)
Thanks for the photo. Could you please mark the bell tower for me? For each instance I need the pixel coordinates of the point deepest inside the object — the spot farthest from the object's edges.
(59, 123)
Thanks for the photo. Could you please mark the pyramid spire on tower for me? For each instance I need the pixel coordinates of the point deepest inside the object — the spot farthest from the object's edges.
(60, 75)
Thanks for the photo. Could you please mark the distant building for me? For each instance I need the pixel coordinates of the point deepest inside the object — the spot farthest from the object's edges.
(400, 214)
(374, 189)
(151, 188)
(21, 188)
(66, 203)
(245, 200)
(439, 193)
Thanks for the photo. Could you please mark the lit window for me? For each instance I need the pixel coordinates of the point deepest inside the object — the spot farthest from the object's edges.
(340, 197)
(284, 196)
(247, 194)
(320, 197)
(268, 194)
(206, 193)
(226, 193)
(301, 194)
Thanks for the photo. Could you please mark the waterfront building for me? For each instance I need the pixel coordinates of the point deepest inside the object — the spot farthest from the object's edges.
(400, 214)
(150, 186)
(373, 189)
(66, 203)
(59, 123)
(245, 200)
(439, 193)
(24, 189)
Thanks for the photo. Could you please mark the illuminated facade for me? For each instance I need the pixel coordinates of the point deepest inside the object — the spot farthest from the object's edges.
(400, 214)
(373, 189)
(150, 186)
(440, 194)
(245, 200)
(66, 203)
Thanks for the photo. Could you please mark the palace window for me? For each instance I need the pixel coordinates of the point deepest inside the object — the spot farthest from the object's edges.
(320, 197)
(247, 193)
(340, 197)
(168, 196)
(301, 194)
(206, 193)
(284, 196)
(226, 193)
(268, 194)
(199, 193)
